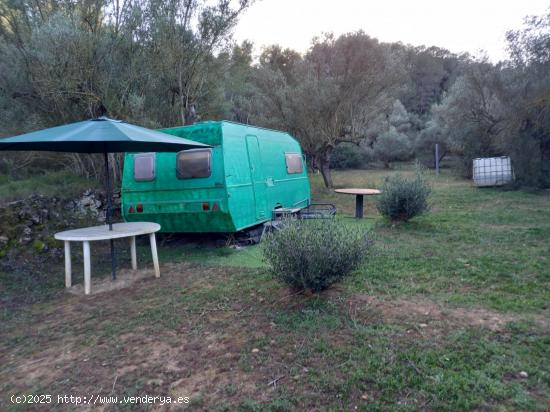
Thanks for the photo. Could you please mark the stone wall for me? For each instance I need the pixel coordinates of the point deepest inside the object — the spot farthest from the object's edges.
(29, 224)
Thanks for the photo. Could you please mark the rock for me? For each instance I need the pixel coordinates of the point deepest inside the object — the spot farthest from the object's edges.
(44, 214)
(88, 202)
(27, 226)
(56, 253)
(523, 375)
(25, 240)
(26, 236)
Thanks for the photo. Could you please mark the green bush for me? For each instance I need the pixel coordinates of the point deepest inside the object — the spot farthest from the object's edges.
(348, 156)
(402, 198)
(314, 254)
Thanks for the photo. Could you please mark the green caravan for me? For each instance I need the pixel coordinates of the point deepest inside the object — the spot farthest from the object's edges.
(234, 185)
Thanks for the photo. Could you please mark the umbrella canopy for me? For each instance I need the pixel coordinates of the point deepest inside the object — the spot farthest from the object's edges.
(101, 135)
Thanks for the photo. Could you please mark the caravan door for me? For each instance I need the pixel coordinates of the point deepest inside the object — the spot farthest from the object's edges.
(257, 177)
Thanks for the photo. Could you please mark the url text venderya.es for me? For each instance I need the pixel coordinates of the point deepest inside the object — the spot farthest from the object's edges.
(96, 399)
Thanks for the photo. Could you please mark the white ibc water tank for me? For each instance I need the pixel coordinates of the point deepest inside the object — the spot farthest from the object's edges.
(492, 171)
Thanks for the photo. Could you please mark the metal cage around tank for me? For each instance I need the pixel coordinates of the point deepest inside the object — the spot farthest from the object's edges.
(492, 171)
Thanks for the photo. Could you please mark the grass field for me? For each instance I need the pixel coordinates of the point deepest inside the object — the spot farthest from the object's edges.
(450, 312)
(60, 184)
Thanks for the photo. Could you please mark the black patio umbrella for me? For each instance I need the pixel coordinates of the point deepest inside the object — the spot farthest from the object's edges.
(101, 135)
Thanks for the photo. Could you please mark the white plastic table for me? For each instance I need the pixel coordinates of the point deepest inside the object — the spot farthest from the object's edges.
(120, 230)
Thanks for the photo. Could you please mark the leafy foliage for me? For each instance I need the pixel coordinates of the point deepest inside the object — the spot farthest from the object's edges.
(167, 63)
(314, 254)
(504, 109)
(402, 198)
(348, 156)
(155, 63)
(425, 141)
(392, 146)
(330, 95)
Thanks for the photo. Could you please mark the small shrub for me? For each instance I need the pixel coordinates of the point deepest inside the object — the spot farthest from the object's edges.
(402, 198)
(314, 254)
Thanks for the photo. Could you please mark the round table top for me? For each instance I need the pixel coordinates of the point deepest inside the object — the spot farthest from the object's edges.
(102, 232)
(355, 191)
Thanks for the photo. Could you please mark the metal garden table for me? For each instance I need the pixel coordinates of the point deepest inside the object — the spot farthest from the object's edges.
(359, 193)
(119, 230)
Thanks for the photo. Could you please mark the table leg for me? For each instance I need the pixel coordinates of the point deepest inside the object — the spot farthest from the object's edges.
(153, 241)
(113, 259)
(87, 267)
(359, 206)
(68, 268)
(133, 252)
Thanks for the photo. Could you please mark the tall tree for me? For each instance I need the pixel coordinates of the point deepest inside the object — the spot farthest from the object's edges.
(332, 94)
(529, 100)
(149, 61)
(180, 47)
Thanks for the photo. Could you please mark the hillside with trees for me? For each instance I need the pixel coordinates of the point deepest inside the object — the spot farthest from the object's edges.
(350, 100)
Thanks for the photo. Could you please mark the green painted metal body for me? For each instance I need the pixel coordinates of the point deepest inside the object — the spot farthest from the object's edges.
(248, 180)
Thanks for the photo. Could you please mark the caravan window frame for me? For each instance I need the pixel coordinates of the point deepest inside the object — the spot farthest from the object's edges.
(151, 173)
(291, 169)
(185, 176)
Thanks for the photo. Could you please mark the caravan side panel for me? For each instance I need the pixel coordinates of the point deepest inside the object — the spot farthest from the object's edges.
(289, 189)
(180, 204)
(238, 175)
(259, 182)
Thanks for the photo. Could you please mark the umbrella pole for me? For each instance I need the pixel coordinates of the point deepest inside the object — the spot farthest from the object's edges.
(109, 214)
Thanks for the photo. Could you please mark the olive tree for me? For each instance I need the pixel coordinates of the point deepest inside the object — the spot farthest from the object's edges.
(529, 101)
(152, 62)
(473, 115)
(332, 94)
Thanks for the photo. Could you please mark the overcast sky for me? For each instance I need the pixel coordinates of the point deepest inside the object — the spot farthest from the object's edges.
(457, 25)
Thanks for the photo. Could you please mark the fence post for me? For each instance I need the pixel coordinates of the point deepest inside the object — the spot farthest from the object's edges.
(437, 159)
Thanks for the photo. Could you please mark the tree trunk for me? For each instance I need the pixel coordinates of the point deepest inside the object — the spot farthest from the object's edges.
(327, 177)
(324, 166)
(181, 94)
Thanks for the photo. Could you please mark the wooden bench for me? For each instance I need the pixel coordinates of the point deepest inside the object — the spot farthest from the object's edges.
(120, 230)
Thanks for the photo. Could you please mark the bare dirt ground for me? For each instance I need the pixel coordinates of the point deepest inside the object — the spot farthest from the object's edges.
(431, 316)
(156, 337)
(105, 343)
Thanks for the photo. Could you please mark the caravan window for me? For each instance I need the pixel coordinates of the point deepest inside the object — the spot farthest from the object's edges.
(294, 163)
(144, 167)
(194, 163)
